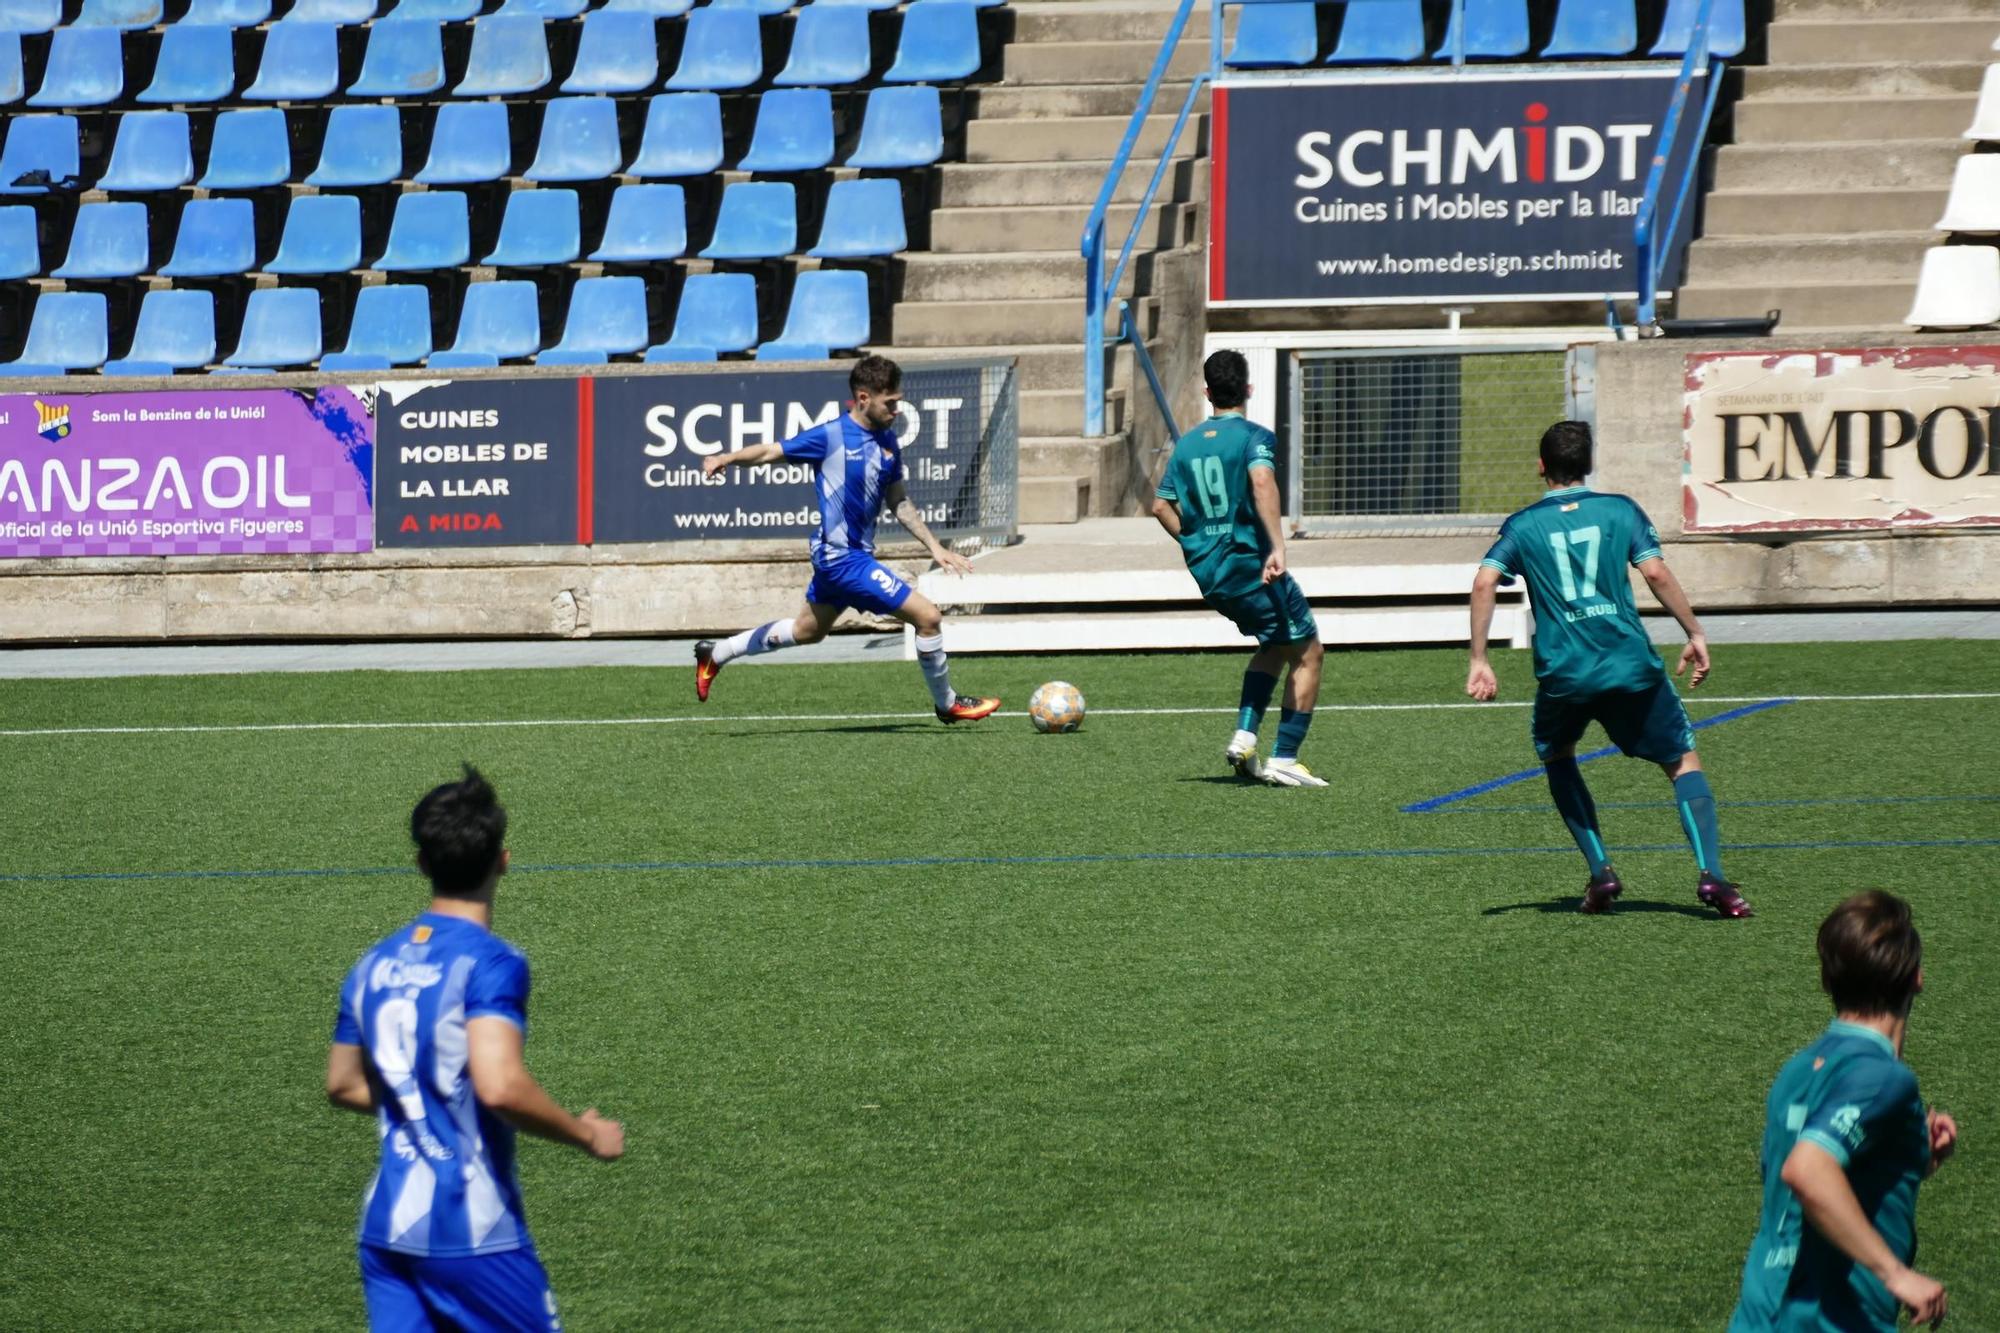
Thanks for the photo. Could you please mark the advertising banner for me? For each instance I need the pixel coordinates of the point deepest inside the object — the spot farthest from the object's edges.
(202, 472)
(1833, 441)
(485, 462)
(1439, 186)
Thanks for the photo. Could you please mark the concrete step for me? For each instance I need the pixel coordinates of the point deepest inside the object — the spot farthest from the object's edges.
(1889, 39)
(1013, 184)
(1045, 102)
(981, 323)
(1852, 118)
(1056, 227)
(1038, 365)
(1918, 164)
(1804, 306)
(1821, 212)
(1873, 257)
(1126, 62)
(1046, 412)
(1869, 9)
(1021, 275)
(1820, 82)
(1054, 499)
(1083, 139)
(1090, 22)
(1074, 455)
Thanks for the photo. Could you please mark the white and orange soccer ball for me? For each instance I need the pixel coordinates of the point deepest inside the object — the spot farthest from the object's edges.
(1056, 706)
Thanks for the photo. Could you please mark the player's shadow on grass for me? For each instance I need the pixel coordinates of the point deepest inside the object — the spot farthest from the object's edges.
(1222, 779)
(1624, 907)
(862, 729)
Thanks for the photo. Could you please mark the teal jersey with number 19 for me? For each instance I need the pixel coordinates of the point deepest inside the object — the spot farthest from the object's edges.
(1208, 479)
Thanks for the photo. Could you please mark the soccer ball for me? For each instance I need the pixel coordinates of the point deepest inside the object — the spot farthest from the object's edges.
(1056, 706)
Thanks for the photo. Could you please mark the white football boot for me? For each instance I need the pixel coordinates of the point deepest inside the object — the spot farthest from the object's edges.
(1291, 773)
(1241, 755)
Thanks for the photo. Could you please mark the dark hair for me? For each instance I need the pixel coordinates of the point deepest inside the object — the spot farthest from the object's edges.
(1227, 376)
(1566, 451)
(459, 829)
(877, 374)
(1870, 954)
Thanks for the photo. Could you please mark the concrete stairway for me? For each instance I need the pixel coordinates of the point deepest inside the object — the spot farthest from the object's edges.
(1844, 150)
(1003, 275)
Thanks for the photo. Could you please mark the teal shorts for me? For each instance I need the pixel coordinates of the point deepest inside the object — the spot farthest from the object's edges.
(1274, 615)
(1645, 724)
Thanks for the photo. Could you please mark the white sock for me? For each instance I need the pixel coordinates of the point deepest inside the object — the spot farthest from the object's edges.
(764, 639)
(937, 674)
(1244, 740)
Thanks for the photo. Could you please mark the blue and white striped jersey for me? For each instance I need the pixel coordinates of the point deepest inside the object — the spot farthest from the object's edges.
(856, 466)
(446, 1184)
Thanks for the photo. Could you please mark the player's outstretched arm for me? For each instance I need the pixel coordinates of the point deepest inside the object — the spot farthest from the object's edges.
(501, 1081)
(1668, 590)
(1944, 1138)
(912, 518)
(751, 457)
(1480, 682)
(1820, 1182)
(347, 1084)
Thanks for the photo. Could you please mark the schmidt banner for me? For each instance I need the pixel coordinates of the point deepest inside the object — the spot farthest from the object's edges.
(1447, 186)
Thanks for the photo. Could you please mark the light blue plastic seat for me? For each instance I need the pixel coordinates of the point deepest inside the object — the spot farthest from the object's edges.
(226, 14)
(300, 63)
(510, 55)
(761, 8)
(717, 313)
(151, 151)
(443, 11)
(248, 150)
(679, 352)
(860, 4)
(723, 49)
(322, 235)
(217, 238)
(607, 318)
(280, 328)
(662, 9)
(940, 44)
(120, 14)
(499, 321)
(1494, 30)
(864, 219)
(901, 127)
(1593, 28)
(405, 58)
(546, 9)
(340, 13)
(30, 15)
(38, 143)
(86, 67)
(758, 220)
(829, 47)
(197, 65)
(539, 227)
(830, 308)
(617, 53)
(108, 241)
(176, 332)
(21, 246)
(13, 73)
(1381, 32)
(391, 327)
(787, 351)
(1275, 36)
(579, 140)
(469, 144)
(646, 224)
(1725, 29)
(363, 146)
(683, 137)
(429, 231)
(794, 131)
(68, 331)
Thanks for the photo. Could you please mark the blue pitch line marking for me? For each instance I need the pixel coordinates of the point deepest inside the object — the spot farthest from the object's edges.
(1790, 803)
(934, 862)
(1467, 793)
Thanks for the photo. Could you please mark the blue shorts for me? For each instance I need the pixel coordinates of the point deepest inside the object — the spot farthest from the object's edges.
(505, 1292)
(1274, 615)
(861, 582)
(1645, 724)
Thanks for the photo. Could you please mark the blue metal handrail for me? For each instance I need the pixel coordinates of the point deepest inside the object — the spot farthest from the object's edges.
(1653, 244)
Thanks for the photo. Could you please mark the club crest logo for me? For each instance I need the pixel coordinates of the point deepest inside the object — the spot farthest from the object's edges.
(54, 420)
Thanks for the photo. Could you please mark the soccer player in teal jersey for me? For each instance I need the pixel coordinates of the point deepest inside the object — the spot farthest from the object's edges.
(1847, 1140)
(1219, 499)
(1593, 660)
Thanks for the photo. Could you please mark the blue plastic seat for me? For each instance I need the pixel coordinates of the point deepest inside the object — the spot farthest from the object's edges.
(68, 331)
(717, 313)
(405, 58)
(108, 241)
(864, 218)
(510, 54)
(13, 73)
(723, 50)
(786, 351)
(661, 9)
(363, 146)
(176, 332)
(860, 4)
(280, 328)
(151, 151)
(197, 65)
(301, 63)
(86, 67)
(1275, 36)
(794, 131)
(758, 220)
(940, 44)
(901, 127)
(392, 327)
(340, 13)
(579, 140)
(469, 144)
(647, 223)
(829, 48)
(679, 352)
(1494, 30)
(829, 308)
(761, 8)
(248, 150)
(443, 11)
(1725, 29)
(20, 243)
(226, 14)
(1381, 32)
(1593, 28)
(38, 144)
(683, 137)
(539, 227)
(546, 9)
(120, 14)
(617, 53)
(499, 321)
(607, 317)
(217, 237)
(322, 235)
(428, 231)
(30, 15)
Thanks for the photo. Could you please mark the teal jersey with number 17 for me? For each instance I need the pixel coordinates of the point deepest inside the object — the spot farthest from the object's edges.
(1572, 547)
(1208, 479)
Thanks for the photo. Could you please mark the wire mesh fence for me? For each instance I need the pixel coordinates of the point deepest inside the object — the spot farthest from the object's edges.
(962, 461)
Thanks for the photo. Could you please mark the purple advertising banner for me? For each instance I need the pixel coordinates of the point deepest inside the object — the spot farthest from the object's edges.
(206, 472)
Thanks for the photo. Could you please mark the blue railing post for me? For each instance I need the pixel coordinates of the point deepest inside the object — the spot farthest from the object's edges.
(1458, 34)
(1093, 330)
(1646, 238)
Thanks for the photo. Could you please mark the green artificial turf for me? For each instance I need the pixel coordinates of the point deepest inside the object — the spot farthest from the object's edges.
(923, 1027)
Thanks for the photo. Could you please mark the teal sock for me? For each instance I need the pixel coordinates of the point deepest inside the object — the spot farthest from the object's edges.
(1292, 726)
(1257, 690)
(1704, 833)
(1578, 811)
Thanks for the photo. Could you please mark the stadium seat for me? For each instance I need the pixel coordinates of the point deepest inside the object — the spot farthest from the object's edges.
(1974, 202)
(44, 145)
(1274, 36)
(940, 43)
(1958, 288)
(723, 49)
(1986, 118)
(794, 131)
(546, 9)
(151, 151)
(217, 238)
(405, 58)
(13, 74)
(322, 235)
(510, 55)
(1381, 32)
(86, 67)
(176, 332)
(442, 11)
(647, 223)
(197, 65)
(659, 9)
(280, 328)
(579, 140)
(861, 4)
(783, 351)
(864, 218)
(718, 313)
(758, 220)
(469, 144)
(119, 14)
(830, 308)
(683, 136)
(1725, 29)
(829, 48)
(363, 146)
(680, 352)
(21, 247)
(499, 321)
(1593, 28)
(761, 8)
(340, 13)
(248, 150)
(901, 127)
(68, 331)
(392, 327)
(429, 231)
(107, 241)
(30, 15)
(617, 53)
(539, 227)
(1494, 30)
(226, 14)
(607, 318)
(301, 63)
